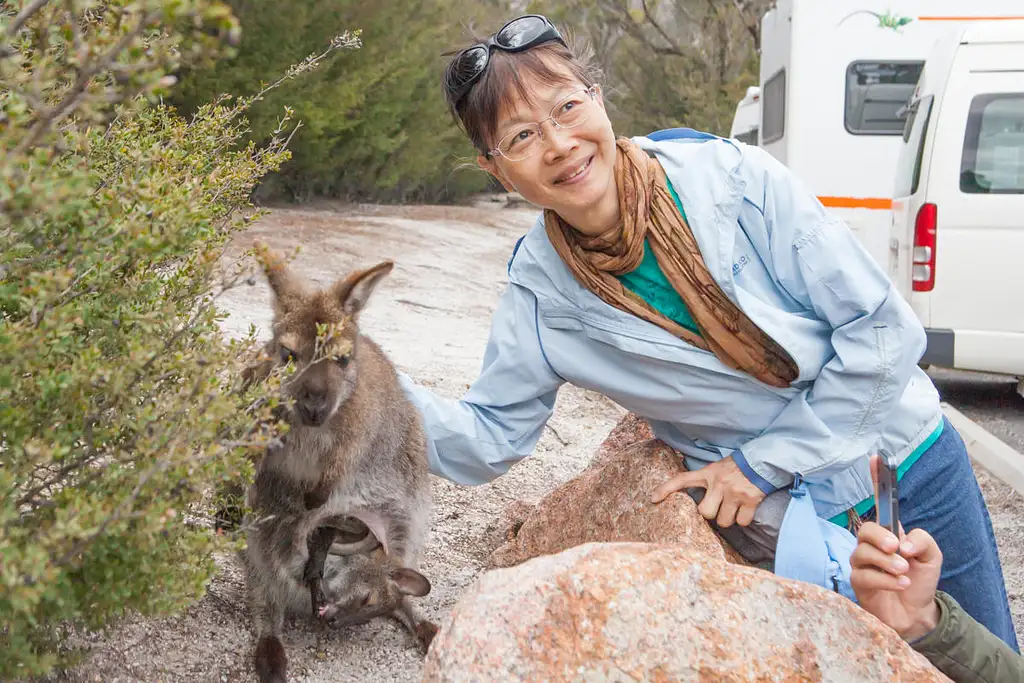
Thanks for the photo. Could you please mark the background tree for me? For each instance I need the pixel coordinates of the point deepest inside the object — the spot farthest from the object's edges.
(670, 62)
(376, 126)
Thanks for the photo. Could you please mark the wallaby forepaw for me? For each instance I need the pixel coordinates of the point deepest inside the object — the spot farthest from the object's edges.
(311, 572)
(317, 598)
(425, 632)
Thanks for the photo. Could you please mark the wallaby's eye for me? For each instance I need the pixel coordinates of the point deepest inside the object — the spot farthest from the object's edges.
(343, 360)
(287, 355)
(368, 600)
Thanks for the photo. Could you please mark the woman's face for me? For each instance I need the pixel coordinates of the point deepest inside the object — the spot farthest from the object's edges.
(571, 171)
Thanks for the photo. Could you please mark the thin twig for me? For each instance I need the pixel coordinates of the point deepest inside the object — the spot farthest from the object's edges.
(24, 15)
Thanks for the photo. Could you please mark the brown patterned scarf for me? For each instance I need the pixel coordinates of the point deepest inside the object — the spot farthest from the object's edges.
(648, 211)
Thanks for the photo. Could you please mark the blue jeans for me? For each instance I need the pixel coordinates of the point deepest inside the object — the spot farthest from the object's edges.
(940, 495)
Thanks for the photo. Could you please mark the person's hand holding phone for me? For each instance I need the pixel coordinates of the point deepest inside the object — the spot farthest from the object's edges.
(896, 580)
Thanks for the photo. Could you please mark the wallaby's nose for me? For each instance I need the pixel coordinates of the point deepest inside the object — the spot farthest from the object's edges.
(312, 407)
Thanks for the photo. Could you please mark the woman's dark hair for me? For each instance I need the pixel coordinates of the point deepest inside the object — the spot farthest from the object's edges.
(478, 111)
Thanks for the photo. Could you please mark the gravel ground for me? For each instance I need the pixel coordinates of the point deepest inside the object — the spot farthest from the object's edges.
(432, 316)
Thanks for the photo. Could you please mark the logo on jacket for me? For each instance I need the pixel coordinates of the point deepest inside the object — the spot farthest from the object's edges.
(738, 266)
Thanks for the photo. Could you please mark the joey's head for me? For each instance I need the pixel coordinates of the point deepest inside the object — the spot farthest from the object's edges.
(359, 588)
(317, 330)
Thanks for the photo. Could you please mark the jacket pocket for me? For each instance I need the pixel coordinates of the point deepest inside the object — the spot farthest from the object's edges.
(652, 342)
(644, 340)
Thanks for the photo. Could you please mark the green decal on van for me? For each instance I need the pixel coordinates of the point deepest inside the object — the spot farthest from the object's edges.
(887, 20)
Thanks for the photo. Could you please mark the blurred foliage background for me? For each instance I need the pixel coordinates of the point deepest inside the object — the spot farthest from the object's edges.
(375, 127)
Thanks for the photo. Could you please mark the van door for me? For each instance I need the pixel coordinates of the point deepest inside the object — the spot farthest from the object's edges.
(976, 183)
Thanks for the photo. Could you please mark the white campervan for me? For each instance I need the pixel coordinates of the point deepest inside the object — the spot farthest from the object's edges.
(835, 79)
(747, 120)
(957, 240)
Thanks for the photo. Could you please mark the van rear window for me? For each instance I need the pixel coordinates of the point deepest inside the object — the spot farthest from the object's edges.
(773, 107)
(877, 94)
(750, 137)
(993, 155)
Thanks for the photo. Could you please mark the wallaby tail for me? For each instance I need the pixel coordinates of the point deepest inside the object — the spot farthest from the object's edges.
(270, 660)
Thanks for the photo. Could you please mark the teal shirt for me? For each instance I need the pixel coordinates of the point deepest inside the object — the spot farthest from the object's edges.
(649, 283)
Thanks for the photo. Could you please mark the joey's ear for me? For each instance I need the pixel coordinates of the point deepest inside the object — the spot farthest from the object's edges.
(354, 291)
(410, 582)
(286, 286)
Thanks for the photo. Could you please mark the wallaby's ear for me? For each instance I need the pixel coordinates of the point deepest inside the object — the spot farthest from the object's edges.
(354, 291)
(410, 582)
(283, 282)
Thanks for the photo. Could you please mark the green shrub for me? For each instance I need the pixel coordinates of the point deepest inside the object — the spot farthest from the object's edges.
(120, 409)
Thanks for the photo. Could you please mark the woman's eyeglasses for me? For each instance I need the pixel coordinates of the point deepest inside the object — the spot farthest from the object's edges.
(524, 140)
(520, 34)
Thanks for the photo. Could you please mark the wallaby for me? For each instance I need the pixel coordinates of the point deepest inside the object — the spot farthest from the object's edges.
(355, 449)
(362, 584)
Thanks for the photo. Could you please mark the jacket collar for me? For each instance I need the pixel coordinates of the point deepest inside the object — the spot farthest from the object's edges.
(705, 172)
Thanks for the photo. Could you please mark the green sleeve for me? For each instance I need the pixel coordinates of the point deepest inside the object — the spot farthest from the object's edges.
(965, 650)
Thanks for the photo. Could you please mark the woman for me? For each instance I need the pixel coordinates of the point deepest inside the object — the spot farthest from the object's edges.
(698, 284)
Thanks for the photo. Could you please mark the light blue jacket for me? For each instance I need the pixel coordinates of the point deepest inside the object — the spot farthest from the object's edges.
(794, 268)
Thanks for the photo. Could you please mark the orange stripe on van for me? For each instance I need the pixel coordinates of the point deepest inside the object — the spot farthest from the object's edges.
(970, 18)
(856, 202)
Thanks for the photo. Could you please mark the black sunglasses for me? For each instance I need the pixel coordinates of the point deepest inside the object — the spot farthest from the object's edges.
(520, 34)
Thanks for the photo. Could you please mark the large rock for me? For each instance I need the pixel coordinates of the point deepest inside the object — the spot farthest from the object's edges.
(610, 501)
(652, 612)
(629, 430)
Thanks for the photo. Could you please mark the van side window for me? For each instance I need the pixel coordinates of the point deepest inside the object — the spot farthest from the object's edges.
(773, 107)
(876, 92)
(993, 154)
(908, 167)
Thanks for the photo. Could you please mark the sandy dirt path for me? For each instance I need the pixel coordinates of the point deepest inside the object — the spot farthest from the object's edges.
(432, 316)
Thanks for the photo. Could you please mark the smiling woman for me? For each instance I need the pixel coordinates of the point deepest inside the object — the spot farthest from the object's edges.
(696, 282)
(512, 94)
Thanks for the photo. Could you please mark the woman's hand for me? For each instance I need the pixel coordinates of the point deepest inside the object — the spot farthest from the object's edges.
(897, 587)
(730, 497)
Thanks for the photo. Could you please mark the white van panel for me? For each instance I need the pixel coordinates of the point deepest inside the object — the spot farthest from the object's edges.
(976, 179)
(972, 170)
(995, 352)
(831, 75)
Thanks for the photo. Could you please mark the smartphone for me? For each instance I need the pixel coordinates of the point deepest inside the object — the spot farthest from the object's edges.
(887, 500)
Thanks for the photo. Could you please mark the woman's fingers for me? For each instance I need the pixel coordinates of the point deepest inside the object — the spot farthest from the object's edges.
(727, 514)
(920, 546)
(866, 556)
(878, 536)
(683, 480)
(746, 515)
(708, 507)
(864, 581)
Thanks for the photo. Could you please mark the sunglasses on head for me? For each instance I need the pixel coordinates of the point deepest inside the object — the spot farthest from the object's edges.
(520, 34)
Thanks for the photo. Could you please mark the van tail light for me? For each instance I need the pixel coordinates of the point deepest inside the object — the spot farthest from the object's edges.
(923, 257)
